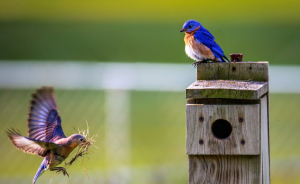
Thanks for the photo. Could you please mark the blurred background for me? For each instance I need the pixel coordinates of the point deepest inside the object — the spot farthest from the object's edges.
(121, 66)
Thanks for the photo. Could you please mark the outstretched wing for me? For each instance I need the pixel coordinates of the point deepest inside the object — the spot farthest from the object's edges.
(44, 123)
(30, 146)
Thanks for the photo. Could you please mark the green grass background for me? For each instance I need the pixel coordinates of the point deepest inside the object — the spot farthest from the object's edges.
(143, 31)
(142, 42)
(157, 136)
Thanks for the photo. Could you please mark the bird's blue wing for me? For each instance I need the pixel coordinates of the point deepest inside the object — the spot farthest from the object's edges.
(44, 123)
(207, 39)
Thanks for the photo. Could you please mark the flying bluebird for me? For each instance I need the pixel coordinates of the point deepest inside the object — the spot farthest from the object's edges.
(45, 134)
(200, 44)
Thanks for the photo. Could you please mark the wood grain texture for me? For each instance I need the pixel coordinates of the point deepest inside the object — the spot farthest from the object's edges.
(227, 89)
(248, 130)
(249, 71)
(265, 154)
(224, 169)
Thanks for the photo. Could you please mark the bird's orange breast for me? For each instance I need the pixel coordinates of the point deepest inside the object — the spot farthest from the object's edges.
(189, 36)
(68, 149)
(198, 47)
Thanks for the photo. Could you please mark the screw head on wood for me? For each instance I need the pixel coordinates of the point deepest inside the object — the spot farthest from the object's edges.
(201, 119)
(233, 69)
(201, 141)
(241, 119)
(243, 142)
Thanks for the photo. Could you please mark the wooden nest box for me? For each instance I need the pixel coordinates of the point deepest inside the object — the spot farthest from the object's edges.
(227, 124)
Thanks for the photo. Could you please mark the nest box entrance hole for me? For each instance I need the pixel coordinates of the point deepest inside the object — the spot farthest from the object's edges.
(221, 129)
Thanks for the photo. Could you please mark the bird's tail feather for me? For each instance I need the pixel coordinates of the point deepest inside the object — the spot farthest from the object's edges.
(43, 167)
(220, 55)
(224, 57)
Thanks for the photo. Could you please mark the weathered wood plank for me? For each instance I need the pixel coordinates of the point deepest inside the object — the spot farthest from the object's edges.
(238, 93)
(268, 114)
(265, 155)
(199, 122)
(227, 89)
(250, 71)
(224, 169)
(221, 101)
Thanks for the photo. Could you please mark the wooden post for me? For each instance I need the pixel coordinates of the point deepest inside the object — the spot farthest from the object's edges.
(227, 124)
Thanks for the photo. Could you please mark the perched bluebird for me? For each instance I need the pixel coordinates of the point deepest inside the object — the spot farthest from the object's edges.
(45, 134)
(200, 44)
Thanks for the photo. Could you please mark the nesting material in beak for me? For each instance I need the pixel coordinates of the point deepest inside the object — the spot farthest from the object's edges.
(83, 148)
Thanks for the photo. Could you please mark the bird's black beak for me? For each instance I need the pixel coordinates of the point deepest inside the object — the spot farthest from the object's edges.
(182, 30)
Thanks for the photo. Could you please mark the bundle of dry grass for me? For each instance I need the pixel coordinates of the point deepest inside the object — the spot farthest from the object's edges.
(83, 149)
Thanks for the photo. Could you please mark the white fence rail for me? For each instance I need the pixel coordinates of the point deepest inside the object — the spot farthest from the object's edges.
(122, 76)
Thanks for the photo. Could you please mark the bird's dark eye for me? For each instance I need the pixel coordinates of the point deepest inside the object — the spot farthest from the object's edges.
(81, 139)
(190, 26)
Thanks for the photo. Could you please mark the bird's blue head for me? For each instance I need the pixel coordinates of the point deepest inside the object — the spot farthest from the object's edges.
(190, 26)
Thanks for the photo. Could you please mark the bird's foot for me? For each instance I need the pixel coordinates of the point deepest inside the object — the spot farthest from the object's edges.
(198, 62)
(64, 171)
(60, 169)
(204, 61)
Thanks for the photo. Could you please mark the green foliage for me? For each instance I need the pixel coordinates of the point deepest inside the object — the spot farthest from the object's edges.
(146, 31)
(141, 42)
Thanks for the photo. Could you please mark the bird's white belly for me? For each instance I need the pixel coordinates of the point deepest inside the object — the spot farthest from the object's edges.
(190, 52)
